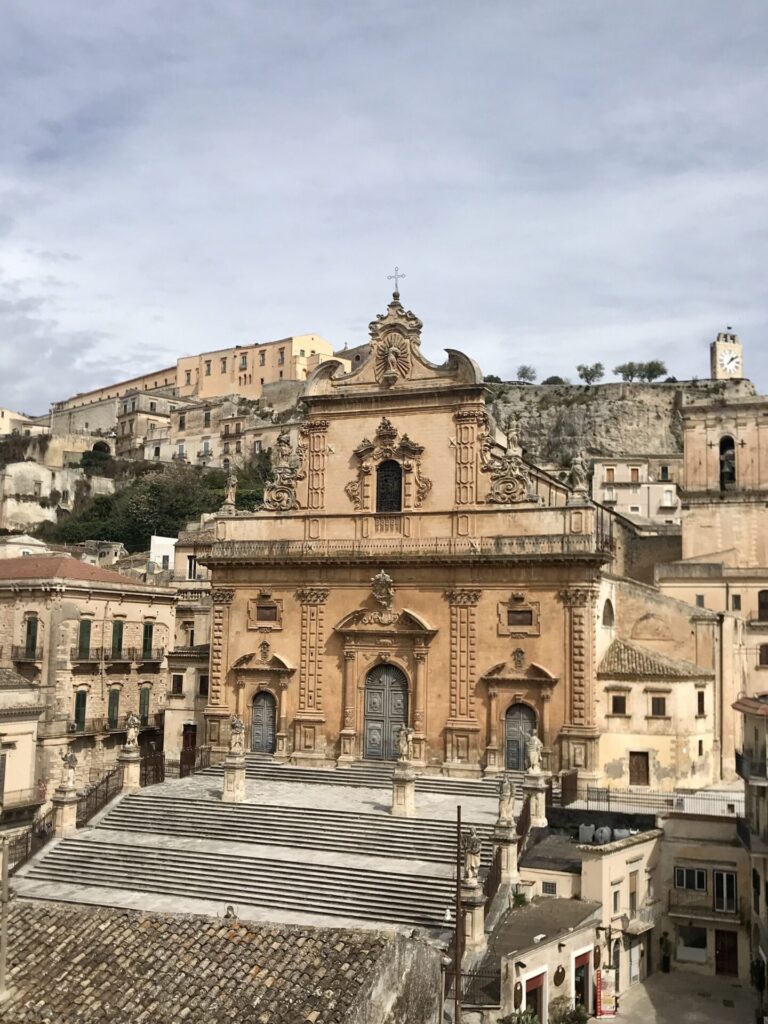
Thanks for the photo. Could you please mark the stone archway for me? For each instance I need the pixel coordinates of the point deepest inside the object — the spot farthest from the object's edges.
(385, 711)
(519, 724)
(263, 723)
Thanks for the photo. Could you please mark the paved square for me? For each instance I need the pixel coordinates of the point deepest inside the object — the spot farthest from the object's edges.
(681, 998)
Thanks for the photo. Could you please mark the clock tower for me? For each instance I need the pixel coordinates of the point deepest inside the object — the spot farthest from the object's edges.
(727, 357)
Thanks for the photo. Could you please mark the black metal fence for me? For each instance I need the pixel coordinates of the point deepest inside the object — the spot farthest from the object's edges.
(492, 879)
(480, 987)
(98, 795)
(152, 768)
(26, 845)
(194, 759)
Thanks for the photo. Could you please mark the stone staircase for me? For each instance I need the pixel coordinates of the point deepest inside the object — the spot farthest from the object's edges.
(369, 774)
(333, 890)
(374, 835)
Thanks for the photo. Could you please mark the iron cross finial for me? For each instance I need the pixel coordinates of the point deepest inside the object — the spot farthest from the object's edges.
(395, 277)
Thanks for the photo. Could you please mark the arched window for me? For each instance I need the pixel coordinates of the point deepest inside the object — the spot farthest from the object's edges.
(727, 463)
(389, 487)
(762, 606)
(608, 615)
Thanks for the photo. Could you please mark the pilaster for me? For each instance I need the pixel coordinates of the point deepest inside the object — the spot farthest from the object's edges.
(309, 736)
(462, 727)
(217, 707)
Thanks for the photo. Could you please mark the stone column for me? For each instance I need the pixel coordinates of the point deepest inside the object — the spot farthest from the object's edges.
(130, 761)
(419, 695)
(234, 779)
(404, 791)
(65, 810)
(348, 733)
(217, 708)
(473, 905)
(492, 766)
(505, 838)
(535, 787)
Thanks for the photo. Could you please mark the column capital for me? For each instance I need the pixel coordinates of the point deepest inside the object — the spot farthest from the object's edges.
(221, 596)
(312, 595)
(463, 598)
(575, 597)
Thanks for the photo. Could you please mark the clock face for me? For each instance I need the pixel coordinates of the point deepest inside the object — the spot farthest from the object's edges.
(729, 360)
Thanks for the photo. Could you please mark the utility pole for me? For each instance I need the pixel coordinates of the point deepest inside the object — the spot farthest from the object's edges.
(458, 937)
(4, 900)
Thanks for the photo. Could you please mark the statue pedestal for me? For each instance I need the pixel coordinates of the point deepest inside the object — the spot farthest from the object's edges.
(473, 904)
(234, 779)
(130, 761)
(404, 791)
(65, 810)
(505, 838)
(535, 787)
(227, 509)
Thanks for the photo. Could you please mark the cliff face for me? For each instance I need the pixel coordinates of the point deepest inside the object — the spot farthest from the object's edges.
(554, 421)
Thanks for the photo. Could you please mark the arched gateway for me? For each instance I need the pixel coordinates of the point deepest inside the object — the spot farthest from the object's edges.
(520, 723)
(386, 709)
(263, 716)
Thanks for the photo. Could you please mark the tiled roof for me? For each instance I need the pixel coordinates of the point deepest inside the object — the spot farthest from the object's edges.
(63, 567)
(626, 660)
(78, 965)
(11, 680)
(752, 706)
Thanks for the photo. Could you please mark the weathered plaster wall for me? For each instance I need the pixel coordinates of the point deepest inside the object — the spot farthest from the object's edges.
(406, 989)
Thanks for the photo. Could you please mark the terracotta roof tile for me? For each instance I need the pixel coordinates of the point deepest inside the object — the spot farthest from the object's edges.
(627, 660)
(85, 964)
(62, 567)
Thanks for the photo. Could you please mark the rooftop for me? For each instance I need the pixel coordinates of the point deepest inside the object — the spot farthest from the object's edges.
(62, 567)
(547, 916)
(625, 659)
(70, 963)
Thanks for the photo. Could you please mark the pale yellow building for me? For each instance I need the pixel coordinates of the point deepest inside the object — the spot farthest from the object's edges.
(643, 487)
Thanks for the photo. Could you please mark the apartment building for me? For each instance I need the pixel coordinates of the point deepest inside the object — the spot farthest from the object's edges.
(641, 487)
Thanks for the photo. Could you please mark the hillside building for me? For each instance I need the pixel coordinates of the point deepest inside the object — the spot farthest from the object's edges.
(643, 487)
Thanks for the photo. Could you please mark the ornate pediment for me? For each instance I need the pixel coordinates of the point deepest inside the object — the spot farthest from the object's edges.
(263, 660)
(405, 623)
(516, 671)
(386, 446)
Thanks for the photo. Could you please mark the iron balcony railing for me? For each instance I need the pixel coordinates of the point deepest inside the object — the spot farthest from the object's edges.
(752, 841)
(84, 655)
(94, 726)
(20, 652)
(749, 767)
(146, 654)
(22, 797)
(701, 904)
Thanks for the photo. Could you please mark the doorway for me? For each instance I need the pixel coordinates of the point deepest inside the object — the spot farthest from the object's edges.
(519, 724)
(581, 991)
(639, 772)
(386, 710)
(188, 736)
(726, 952)
(263, 717)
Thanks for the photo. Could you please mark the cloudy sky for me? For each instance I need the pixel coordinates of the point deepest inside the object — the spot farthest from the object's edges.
(561, 181)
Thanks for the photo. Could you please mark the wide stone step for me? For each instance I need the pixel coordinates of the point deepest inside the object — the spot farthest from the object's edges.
(323, 889)
(307, 828)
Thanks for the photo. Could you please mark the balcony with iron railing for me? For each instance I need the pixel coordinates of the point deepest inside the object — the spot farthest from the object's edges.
(95, 726)
(83, 655)
(144, 655)
(25, 653)
(16, 798)
(751, 768)
(753, 841)
(702, 905)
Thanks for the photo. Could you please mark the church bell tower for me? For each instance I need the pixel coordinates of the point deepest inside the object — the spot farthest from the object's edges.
(727, 357)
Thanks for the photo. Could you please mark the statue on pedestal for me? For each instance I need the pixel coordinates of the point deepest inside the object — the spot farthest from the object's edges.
(68, 765)
(506, 801)
(236, 736)
(579, 473)
(231, 491)
(405, 743)
(472, 850)
(533, 749)
(132, 722)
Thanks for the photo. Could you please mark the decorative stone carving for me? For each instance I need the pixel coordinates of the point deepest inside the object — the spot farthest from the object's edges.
(404, 744)
(574, 597)
(312, 595)
(518, 656)
(222, 597)
(383, 591)
(578, 474)
(533, 749)
(287, 471)
(472, 852)
(462, 598)
(68, 766)
(510, 477)
(385, 446)
(230, 494)
(506, 801)
(264, 650)
(236, 736)
(392, 336)
(132, 722)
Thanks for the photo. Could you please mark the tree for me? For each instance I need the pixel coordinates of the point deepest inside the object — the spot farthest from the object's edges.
(591, 374)
(652, 370)
(526, 373)
(628, 371)
(491, 378)
(554, 380)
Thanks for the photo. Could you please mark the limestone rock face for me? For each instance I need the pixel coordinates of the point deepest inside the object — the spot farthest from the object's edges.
(555, 421)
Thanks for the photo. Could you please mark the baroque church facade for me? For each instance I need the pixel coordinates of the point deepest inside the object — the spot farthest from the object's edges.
(409, 567)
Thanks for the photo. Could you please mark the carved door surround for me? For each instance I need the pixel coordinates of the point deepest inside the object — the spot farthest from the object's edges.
(403, 643)
(385, 447)
(265, 673)
(514, 682)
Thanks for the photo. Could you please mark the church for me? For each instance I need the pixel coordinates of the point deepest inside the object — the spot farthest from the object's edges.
(410, 567)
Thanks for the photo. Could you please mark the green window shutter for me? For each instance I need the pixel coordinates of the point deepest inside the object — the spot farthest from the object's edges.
(31, 635)
(146, 642)
(80, 700)
(117, 637)
(144, 705)
(84, 637)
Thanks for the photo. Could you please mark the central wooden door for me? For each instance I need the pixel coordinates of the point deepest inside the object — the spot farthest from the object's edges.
(520, 723)
(263, 713)
(386, 710)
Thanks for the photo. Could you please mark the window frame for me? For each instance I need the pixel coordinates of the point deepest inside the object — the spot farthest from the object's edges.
(698, 875)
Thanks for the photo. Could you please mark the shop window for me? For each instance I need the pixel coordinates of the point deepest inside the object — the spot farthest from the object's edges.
(692, 943)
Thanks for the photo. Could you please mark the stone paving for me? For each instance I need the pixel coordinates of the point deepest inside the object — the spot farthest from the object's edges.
(683, 998)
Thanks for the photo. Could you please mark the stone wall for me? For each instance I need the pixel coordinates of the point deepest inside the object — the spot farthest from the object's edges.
(406, 986)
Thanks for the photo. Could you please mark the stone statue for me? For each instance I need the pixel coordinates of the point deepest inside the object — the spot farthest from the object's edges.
(383, 589)
(579, 472)
(393, 353)
(68, 765)
(404, 743)
(132, 739)
(283, 445)
(472, 850)
(231, 492)
(533, 749)
(236, 735)
(506, 800)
